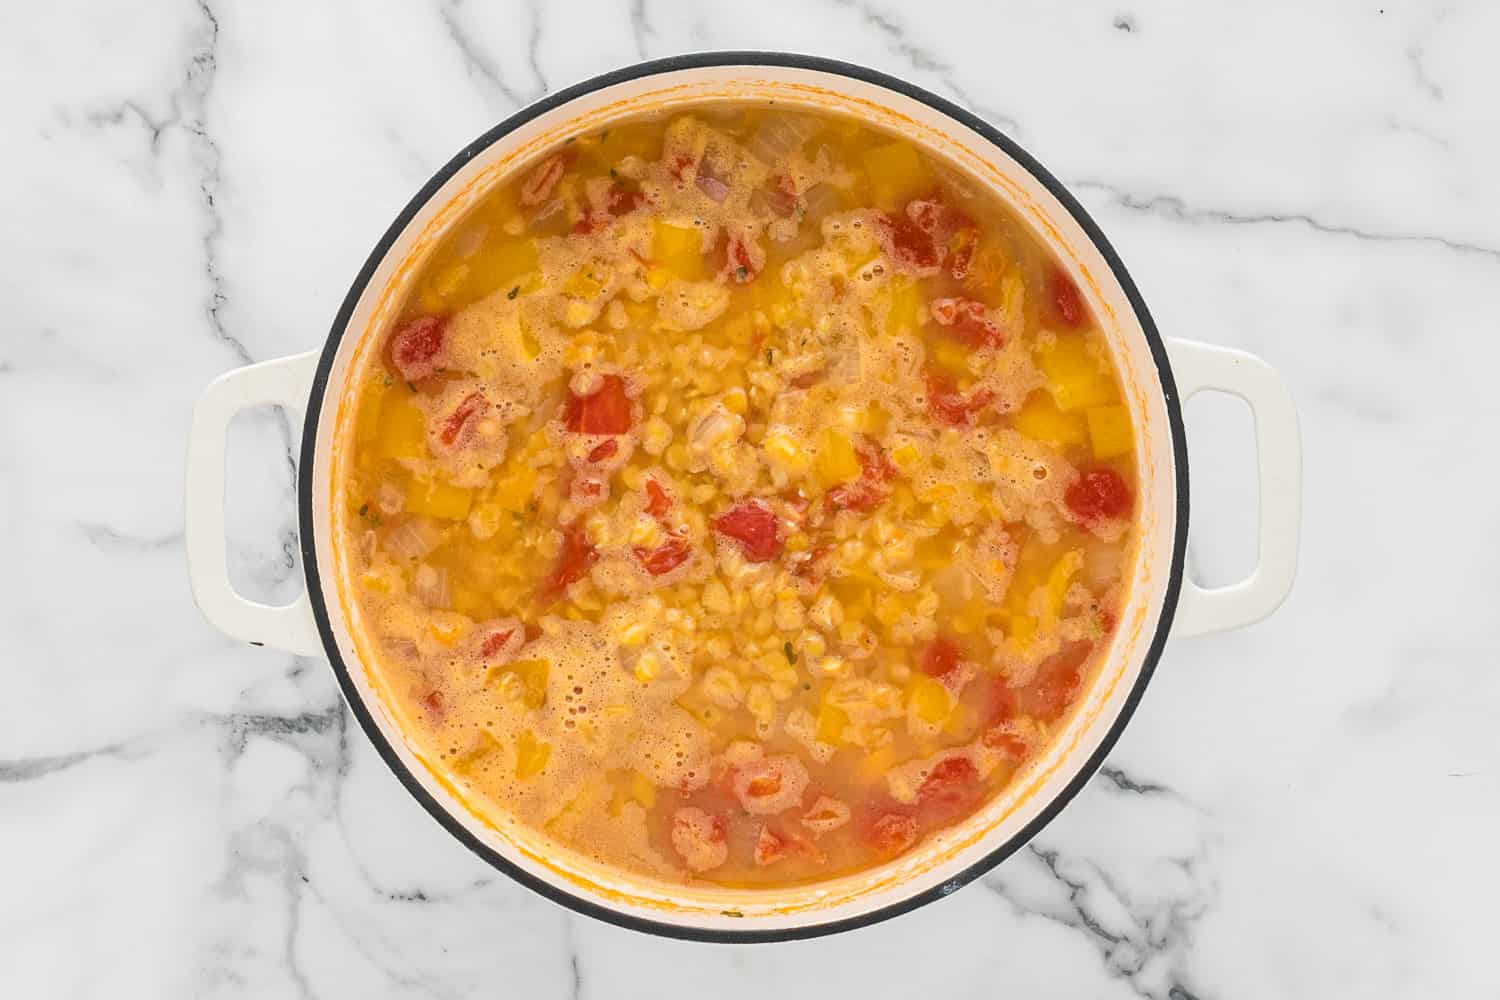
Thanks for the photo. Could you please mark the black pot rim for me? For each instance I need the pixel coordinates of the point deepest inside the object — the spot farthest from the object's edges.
(554, 892)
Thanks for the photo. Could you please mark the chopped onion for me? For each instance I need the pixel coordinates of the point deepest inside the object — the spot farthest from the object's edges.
(430, 585)
(779, 135)
(710, 185)
(820, 200)
(413, 538)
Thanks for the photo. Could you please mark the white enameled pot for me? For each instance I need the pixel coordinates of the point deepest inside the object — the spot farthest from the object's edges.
(1158, 375)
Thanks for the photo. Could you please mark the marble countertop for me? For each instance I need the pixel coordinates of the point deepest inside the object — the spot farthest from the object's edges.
(1306, 808)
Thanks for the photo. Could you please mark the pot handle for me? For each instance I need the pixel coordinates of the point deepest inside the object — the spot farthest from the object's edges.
(1278, 444)
(289, 627)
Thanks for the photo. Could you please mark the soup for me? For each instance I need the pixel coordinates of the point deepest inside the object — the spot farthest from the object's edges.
(742, 495)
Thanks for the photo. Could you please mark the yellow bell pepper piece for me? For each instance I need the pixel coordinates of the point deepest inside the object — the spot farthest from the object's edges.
(897, 174)
(1059, 579)
(837, 460)
(679, 250)
(434, 498)
(401, 429)
(484, 745)
(1074, 376)
(1041, 420)
(531, 755)
(1109, 430)
(532, 675)
(831, 723)
(929, 699)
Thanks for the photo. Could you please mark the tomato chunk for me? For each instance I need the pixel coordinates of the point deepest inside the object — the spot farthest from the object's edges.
(1098, 495)
(950, 790)
(434, 706)
(1063, 302)
(868, 491)
(664, 558)
(577, 557)
(754, 526)
(623, 201)
(605, 450)
(968, 322)
(414, 350)
(538, 185)
(473, 406)
(1057, 684)
(606, 411)
(743, 259)
(941, 657)
(952, 407)
(495, 641)
(892, 833)
(658, 504)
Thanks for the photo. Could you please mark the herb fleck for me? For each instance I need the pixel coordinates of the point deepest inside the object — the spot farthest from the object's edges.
(770, 356)
(412, 387)
(513, 292)
(741, 273)
(364, 510)
(791, 655)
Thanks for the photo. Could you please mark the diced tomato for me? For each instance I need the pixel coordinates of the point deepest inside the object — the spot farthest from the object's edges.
(1056, 685)
(473, 406)
(623, 201)
(950, 790)
(808, 379)
(891, 834)
(923, 237)
(577, 557)
(538, 185)
(941, 657)
(494, 642)
(604, 450)
(754, 526)
(947, 404)
(772, 846)
(683, 166)
(1099, 494)
(999, 702)
(664, 558)
(434, 706)
(1006, 742)
(412, 352)
(1063, 303)
(811, 564)
(961, 257)
(968, 321)
(868, 491)
(607, 411)
(743, 258)
(910, 247)
(658, 504)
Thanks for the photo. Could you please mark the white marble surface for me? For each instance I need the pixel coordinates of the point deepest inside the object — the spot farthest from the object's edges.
(1308, 808)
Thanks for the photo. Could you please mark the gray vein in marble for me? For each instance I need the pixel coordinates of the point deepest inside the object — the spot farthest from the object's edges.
(533, 44)
(1416, 56)
(1118, 779)
(203, 68)
(640, 26)
(1176, 209)
(475, 61)
(923, 59)
(1126, 953)
(31, 768)
(106, 538)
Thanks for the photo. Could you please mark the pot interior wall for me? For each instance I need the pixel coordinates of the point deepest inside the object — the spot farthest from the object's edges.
(949, 858)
